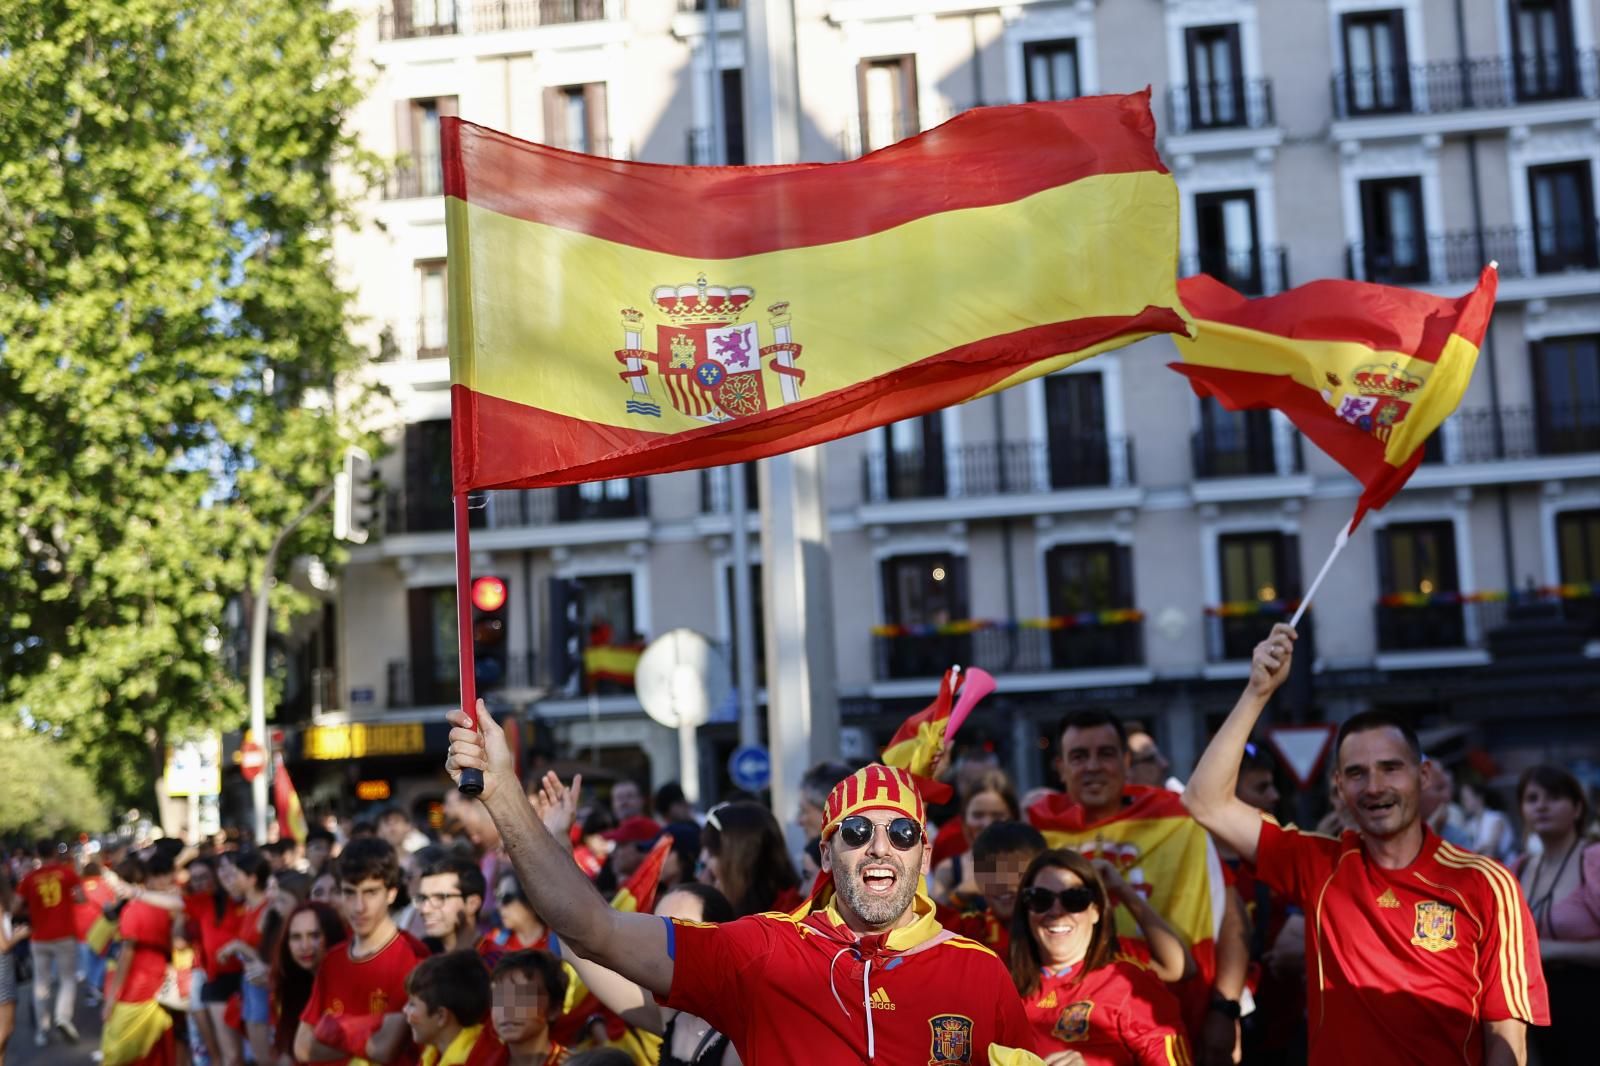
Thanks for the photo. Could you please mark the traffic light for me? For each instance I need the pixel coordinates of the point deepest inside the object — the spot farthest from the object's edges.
(355, 497)
(566, 637)
(489, 652)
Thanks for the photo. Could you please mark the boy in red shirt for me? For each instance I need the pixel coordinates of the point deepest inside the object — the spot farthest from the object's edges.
(362, 980)
(529, 988)
(52, 893)
(1416, 950)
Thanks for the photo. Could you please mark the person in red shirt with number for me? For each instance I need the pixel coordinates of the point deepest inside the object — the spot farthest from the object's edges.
(862, 973)
(52, 893)
(1416, 951)
(360, 987)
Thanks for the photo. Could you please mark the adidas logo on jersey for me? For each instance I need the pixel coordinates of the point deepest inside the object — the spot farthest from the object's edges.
(881, 1000)
(1388, 901)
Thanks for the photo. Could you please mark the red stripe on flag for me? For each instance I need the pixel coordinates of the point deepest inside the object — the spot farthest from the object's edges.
(992, 155)
(498, 441)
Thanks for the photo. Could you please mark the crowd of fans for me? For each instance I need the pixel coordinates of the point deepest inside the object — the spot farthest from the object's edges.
(387, 943)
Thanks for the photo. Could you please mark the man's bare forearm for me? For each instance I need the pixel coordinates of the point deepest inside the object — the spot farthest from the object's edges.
(558, 890)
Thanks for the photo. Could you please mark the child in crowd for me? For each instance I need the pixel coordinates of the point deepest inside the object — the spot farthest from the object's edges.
(529, 988)
(447, 999)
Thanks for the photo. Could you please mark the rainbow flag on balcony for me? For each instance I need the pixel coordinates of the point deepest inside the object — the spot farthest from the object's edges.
(611, 319)
(1368, 372)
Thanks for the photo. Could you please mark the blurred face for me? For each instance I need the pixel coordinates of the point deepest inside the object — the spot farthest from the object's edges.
(231, 880)
(514, 911)
(317, 854)
(810, 817)
(1437, 784)
(1256, 788)
(202, 879)
(683, 906)
(626, 801)
(1547, 813)
(1093, 766)
(709, 870)
(365, 905)
(983, 810)
(1063, 937)
(325, 889)
(306, 945)
(999, 879)
(1380, 782)
(1471, 801)
(521, 1008)
(426, 1025)
(474, 819)
(1146, 765)
(443, 908)
(394, 828)
(876, 880)
(628, 856)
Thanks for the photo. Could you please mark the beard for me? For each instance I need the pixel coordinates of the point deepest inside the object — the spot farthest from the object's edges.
(871, 908)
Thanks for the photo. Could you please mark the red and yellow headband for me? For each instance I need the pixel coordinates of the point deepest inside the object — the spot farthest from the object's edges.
(873, 788)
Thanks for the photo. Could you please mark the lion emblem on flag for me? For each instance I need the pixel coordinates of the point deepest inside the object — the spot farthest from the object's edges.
(708, 360)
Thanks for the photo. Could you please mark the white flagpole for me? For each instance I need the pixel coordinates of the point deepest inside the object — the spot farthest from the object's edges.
(1338, 546)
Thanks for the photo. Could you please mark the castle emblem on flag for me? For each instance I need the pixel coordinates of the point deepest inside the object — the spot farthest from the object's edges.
(952, 1039)
(1073, 1023)
(1435, 928)
(1379, 397)
(710, 363)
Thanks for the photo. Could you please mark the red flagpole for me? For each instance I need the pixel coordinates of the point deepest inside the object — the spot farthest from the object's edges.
(471, 780)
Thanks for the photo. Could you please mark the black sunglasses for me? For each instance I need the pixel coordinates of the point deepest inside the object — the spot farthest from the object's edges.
(1074, 900)
(509, 897)
(856, 830)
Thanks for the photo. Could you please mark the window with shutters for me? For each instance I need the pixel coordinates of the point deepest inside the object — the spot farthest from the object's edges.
(611, 641)
(1542, 49)
(1233, 443)
(1420, 584)
(1578, 555)
(417, 135)
(432, 303)
(912, 461)
(887, 93)
(1564, 226)
(1394, 246)
(1075, 411)
(1050, 69)
(1260, 574)
(1225, 231)
(1376, 77)
(1216, 77)
(1085, 585)
(575, 118)
(435, 674)
(924, 595)
(1567, 393)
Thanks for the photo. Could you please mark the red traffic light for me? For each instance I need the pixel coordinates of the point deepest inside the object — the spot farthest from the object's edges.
(488, 594)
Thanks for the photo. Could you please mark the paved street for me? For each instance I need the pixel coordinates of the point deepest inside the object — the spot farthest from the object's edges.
(58, 1052)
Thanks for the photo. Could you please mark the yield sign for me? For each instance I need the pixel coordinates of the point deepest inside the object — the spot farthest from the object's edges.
(1301, 747)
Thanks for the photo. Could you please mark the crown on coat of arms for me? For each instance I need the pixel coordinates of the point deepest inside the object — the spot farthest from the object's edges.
(701, 304)
(1385, 381)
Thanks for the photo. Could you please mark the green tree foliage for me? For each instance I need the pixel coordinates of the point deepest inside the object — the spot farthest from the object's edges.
(171, 329)
(44, 794)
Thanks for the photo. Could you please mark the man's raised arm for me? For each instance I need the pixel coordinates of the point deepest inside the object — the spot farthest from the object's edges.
(634, 945)
(1210, 793)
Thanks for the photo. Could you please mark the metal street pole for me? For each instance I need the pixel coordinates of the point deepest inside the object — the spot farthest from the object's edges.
(258, 658)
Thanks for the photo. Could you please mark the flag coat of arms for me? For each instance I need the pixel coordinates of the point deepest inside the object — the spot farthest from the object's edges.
(613, 319)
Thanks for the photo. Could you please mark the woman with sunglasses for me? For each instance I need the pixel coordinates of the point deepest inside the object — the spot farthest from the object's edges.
(744, 856)
(1088, 1006)
(520, 928)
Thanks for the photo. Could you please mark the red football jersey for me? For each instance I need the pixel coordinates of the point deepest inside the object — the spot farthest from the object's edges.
(51, 909)
(149, 929)
(375, 985)
(971, 917)
(787, 991)
(1118, 1015)
(1409, 962)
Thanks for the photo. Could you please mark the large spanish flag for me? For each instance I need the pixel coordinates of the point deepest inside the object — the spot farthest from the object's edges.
(1368, 372)
(611, 319)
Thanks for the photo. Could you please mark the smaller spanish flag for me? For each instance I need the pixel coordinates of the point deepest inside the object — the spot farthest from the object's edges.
(921, 739)
(291, 817)
(1368, 372)
(638, 893)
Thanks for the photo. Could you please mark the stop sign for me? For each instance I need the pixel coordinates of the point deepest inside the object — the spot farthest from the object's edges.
(252, 758)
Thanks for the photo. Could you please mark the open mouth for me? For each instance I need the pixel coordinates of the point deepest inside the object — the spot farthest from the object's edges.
(1059, 928)
(1380, 807)
(880, 880)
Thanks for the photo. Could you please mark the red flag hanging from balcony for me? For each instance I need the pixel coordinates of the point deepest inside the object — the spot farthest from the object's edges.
(612, 319)
(1368, 372)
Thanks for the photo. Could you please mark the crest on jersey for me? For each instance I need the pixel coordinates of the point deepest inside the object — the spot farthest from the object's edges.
(1435, 928)
(1073, 1023)
(952, 1039)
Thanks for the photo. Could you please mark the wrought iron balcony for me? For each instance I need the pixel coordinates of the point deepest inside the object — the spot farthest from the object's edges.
(1234, 629)
(1067, 461)
(703, 5)
(872, 131)
(701, 150)
(445, 18)
(1252, 271)
(1521, 252)
(716, 488)
(1478, 436)
(1456, 85)
(404, 342)
(418, 176)
(1090, 640)
(1219, 455)
(419, 512)
(1440, 621)
(1199, 107)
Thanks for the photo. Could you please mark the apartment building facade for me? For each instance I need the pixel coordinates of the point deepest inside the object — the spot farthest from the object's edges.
(1097, 537)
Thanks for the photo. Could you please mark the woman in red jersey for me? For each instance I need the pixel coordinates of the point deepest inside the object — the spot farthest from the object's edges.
(312, 928)
(138, 1029)
(246, 876)
(1087, 1004)
(746, 859)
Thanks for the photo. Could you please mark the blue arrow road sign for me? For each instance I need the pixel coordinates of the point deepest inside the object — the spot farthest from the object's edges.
(751, 768)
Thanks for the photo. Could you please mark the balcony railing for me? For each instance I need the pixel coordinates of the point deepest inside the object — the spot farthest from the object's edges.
(701, 150)
(436, 684)
(1477, 436)
(418, 176)
(518, 508)
(1234, 629)
(445, 18)
(1525, 252)
(871, 131)
(1218, 455)
(703, 5)
(404, 342)
(1253, 271)
(1220, 105)
(716, 488)
(1091, 640)
(1065, 462)
(1441, 621)
(1456, 85)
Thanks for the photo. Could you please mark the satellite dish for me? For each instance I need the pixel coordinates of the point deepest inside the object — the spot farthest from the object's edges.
(681, 678)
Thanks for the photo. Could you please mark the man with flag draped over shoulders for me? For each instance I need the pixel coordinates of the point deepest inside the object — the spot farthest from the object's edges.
(862, 973)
